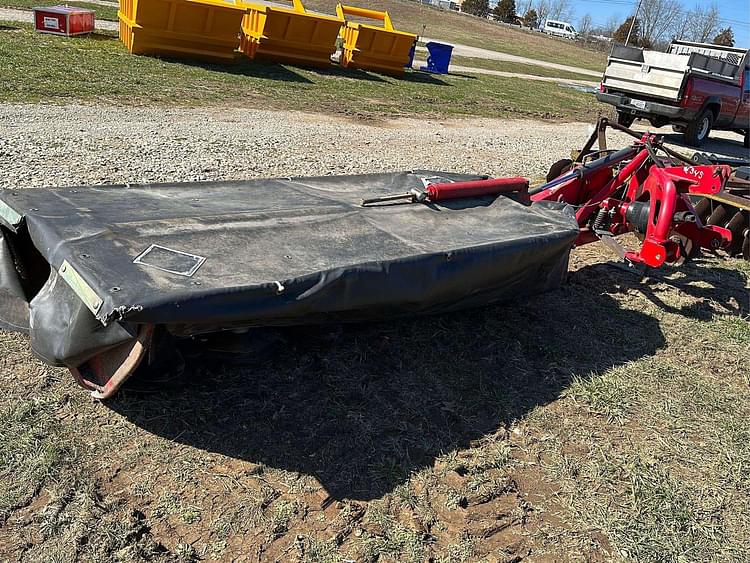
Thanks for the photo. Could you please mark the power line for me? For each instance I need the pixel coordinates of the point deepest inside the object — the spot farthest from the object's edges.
(738, 22)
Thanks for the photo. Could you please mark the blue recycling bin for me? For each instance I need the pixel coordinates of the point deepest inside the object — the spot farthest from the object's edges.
(439, 59)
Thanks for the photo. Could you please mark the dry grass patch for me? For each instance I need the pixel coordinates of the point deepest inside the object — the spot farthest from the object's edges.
(605, 420)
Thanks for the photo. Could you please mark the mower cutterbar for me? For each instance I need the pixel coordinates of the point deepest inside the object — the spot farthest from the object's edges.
(105, 278)
(101, 277)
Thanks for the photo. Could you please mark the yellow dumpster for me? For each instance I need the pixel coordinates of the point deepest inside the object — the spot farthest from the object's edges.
(290, 35)
(195, 29)
(370, 47)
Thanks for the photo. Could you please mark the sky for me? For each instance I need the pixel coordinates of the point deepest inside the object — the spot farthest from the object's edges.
(734, 13)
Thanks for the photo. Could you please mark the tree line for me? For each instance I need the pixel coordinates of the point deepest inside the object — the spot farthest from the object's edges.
(657, 22)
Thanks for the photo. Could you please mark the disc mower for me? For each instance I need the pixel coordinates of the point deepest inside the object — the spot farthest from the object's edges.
(110, 280)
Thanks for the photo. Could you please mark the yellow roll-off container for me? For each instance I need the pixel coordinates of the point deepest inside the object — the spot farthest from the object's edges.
(289, 35)
(194, 29)
(370, 47)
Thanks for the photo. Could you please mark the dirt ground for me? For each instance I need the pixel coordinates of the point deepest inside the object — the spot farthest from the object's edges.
(606, 420)
(519, 432)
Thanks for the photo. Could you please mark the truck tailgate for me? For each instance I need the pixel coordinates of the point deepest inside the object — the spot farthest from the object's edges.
(649, 73)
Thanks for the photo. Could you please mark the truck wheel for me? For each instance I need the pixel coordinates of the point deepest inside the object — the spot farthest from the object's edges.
(625, 119)
(697, 131)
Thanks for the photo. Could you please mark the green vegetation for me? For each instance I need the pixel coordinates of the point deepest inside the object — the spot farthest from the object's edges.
(607, 420)
(650, 452)
(102, 12)
(477, 32)
(32, 450)
(98, 68)
(521, 68)
(436, 24)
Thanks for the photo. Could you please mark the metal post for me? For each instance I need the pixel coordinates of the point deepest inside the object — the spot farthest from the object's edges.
(632, 22)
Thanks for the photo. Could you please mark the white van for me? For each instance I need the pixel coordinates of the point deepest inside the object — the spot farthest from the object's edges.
(561, 29)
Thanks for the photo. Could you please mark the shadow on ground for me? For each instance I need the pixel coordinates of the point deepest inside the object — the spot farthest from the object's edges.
(421, 78)
(707, 289)
(729, 147)
(98, 36)
(248, 68)
(362, 407)
(359, 74)
(290, 73)
(460, 75)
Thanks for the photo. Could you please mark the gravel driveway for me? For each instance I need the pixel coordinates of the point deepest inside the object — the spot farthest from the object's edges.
(51, 145)
(47, 145)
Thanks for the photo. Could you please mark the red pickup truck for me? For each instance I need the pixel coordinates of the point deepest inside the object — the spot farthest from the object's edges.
(695, 87)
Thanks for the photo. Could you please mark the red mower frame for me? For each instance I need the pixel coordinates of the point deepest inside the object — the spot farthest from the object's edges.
(637, 190)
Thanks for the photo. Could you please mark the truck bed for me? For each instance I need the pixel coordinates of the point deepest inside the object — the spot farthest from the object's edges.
(662, 75)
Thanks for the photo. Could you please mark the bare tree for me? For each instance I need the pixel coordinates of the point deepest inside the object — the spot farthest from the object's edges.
(681, 29)
(658, 19)
(560, 9)
(611, 25)
(585, 25)
(542, 10)
(702, 23)
(523, 6)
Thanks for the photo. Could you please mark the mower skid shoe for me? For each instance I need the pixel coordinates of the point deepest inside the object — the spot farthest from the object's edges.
(104, 374)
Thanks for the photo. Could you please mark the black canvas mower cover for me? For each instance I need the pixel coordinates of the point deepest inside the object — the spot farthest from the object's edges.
(100, 277)
(93, 273)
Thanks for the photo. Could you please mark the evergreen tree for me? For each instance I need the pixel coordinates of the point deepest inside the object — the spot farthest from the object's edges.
(725, 38)
(505, 11)
(531, 19)
(476, 7)
(621, 34)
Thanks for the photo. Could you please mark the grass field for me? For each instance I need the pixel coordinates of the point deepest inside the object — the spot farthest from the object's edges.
(102, 12)
(447, 26)
(476, 32)
(608, 420)
(98, 68)
(520, 68)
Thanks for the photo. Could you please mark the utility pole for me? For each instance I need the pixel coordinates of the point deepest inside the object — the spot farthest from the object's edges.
(632, 22)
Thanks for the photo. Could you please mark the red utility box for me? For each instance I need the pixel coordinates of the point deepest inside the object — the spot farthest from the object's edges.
(64, 20)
